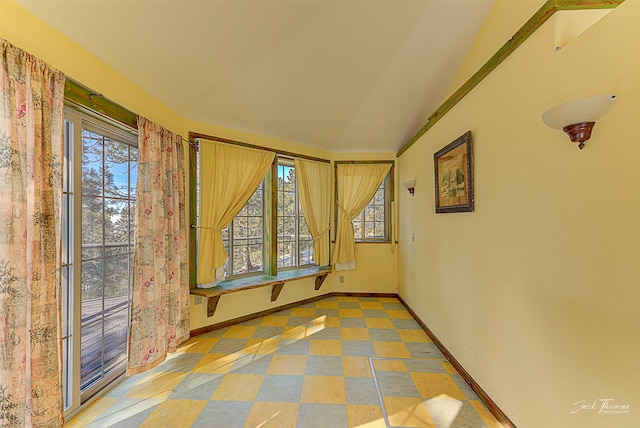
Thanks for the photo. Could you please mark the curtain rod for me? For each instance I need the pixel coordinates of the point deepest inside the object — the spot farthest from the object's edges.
(194, 136)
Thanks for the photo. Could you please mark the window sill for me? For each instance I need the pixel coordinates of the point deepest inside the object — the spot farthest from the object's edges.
(277, 282)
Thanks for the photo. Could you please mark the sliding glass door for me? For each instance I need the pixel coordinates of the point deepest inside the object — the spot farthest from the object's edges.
(105, 166)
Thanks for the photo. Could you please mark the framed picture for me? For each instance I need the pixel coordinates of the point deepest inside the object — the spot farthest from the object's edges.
(453, 166)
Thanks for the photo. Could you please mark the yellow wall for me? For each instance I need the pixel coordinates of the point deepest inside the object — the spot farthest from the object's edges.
(26, 31)
(536, 292)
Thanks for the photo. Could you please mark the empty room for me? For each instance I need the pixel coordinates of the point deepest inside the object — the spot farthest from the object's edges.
(332, 213)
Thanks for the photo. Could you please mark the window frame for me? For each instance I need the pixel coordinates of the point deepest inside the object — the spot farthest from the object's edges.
(389, 199)
(287, 162)
(270, 267)
(77, 120)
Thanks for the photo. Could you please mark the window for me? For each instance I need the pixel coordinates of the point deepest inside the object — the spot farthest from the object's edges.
(295, 244)
(245, 249)
(273, 210)
(372, 224)
(100, 174)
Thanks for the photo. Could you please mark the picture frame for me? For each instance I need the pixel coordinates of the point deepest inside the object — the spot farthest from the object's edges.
(453, 169)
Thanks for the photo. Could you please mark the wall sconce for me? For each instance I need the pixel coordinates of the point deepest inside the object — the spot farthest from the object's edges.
(577, 118)
(409, 185)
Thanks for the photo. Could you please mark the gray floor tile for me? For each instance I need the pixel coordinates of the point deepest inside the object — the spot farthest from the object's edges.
(280, 388)
(359, 348)
(327, 312)
(322, 415)
(320, 365)
(423, 350)
(405, 324)
(353, 322)
(266, 332)
(425, 366)
(384, 335)
(374, 313)
(396, 384)
(197, 386)
(361, 390)
(179, 363)
(293, 347)
(296, 321)
(349, 305)
(464, 387)
(330, 333)
(228, 346)
(223, 414)
(252, 364)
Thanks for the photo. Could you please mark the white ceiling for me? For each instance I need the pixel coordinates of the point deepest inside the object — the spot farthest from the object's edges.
(339, 75)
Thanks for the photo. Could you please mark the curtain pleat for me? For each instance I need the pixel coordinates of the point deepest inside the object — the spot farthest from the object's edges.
(228, 177)
(314, 189)
(160, 295)
(31, 157)
(356, 185)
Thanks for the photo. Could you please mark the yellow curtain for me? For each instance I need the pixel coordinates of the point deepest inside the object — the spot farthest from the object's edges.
(228, 177)
(314, 189)
(357, 183)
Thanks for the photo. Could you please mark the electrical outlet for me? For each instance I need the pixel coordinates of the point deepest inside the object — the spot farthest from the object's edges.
(341, 279)
(197, 300)
(413, 236)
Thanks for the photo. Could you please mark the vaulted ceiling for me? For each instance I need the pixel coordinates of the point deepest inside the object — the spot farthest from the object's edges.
(341, 75)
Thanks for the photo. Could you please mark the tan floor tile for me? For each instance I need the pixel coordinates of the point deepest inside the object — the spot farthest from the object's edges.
(287, 365)
(350, 313)
(389, 365)
(413, 336)
(388, 299)
(407, 412)
(174, 413)
(391, 350)
(85, 417)
(303, 312)
(365, 416)
(347, 299)
(356, 366)
(157, 385)
(240, 332)
(354, 334)
(325, 347)
(379, 323)
(327, 305)
(262, 346)
(238, 387)
(272, 415)
(487, 417)
(371, 305)
(216, 363)
(298, 332)
(274, 321)
(332, 322)
(197, 345)
(400, 313)
(436, 384)
(448, 367)
(323, 389)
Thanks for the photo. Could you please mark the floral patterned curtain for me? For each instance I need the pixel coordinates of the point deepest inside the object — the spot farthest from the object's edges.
(160, 297)
(31, 144)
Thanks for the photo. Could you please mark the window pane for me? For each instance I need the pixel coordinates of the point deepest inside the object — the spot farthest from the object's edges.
(116, 164)
(108, 226)
(371, 223)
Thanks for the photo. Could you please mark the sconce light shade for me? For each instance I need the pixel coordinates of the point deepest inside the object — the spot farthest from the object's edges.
(577, 118)
(409, 185)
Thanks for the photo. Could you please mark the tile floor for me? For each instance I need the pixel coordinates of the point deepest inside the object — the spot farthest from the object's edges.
(337, 362)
